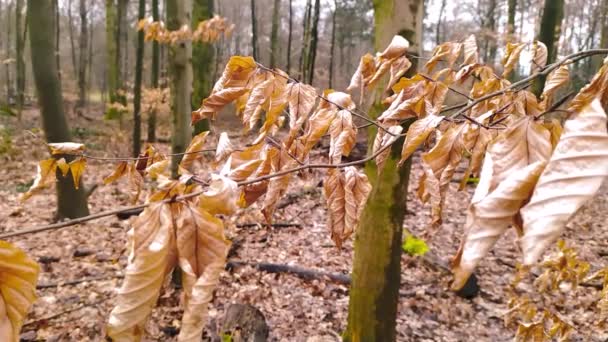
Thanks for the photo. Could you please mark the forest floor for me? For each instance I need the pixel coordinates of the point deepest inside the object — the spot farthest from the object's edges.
(295, 308)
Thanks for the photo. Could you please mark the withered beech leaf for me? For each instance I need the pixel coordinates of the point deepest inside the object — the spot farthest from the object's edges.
(66, 148)
(17, 289)
(224, 148)
(45, 177)
(597, 87)
(215, 102)
(151, 257)
(259, 96)
(573, 175)
(345, 193)
(417, 133)
(490, 217)
(556, 79)
(539, 56)
(77, 168)
(318, 125)
(237, 72)
(302, 98)
(439, 165)
(471, 53)
(397, 47)
(193, 152)
(524, 142)
(511, 58)
(221, 196)
(343, 136)
(382, 139)
(446, 52)
(202, 249)
(365, 71)
(121, 170)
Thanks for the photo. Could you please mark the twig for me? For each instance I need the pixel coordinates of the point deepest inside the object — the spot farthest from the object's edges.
(61, 313)
(276, 225)
(304, 273)
(78, 281)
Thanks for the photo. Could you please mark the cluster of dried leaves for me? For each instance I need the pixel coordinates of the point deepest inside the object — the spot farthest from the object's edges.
(532, 176)
(207, 31)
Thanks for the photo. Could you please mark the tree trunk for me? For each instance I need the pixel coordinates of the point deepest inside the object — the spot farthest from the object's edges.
(305, 40)
(597, 60)
(333, 43)
(71, 202)
(72, 44)
(314, 42)
(82, 62)
(274, 34)
(440, 22)
(155, 71)
(179, 13)
(374, 292)
(511, 10)
(254, 36)
(112, 53)
(550, 31)
(288, 68)
(9, 82)
(139, 61)
(490, 33)
(57, 38)
(123, 44)
(19, 42)
(203, 61)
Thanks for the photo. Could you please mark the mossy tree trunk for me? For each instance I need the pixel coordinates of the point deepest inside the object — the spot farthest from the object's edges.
(374, 292)
(83, 54)
(112, 57)
(179, 13)
(254, 33)
(139, 61)
(550, 31)
(314, 40)
(511, 10)
(203, 56)
(289, 38)
(274, 34)
(155, 72)
(19, 43)
(71, 202)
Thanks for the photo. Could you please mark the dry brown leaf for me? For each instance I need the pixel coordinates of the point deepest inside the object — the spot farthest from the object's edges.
(202, 251)
(151, 258)
(418, 132)
(511, 57)
(446, 52)
(471, 53)
(45, 177)
(397, 47)
(597, 87)
(221, 196)
(121, 170)
(556, 79)
(382, 139)
(399, 67)
(439, 165)
(66, 148)
(539, 56)
(237, 72)
(224, 148)
(490, 217)
(193, 152)
(215, 102)
(318, 125)
(302, 98)
(573, 175)
(256, 101)
(343, 136)
(19, 275)
(524, 142)
(77, 168)
(365, 71)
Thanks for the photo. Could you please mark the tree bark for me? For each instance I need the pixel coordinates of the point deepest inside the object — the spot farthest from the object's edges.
(112, 62)
(123, 44)
(254, 36)
(314, 42)
(139, 61)
(179, 13)
(155, 72)
(305, 40)
(9, 82)
(57, 38)
(203, 56)
(71, 202)
(19, 42)
(374, 292)
(72, 44)
(289, 36)
(550, 31)
(439, 23)
(274, 34)
(82, 62)
(511, 10)
(333, 44)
